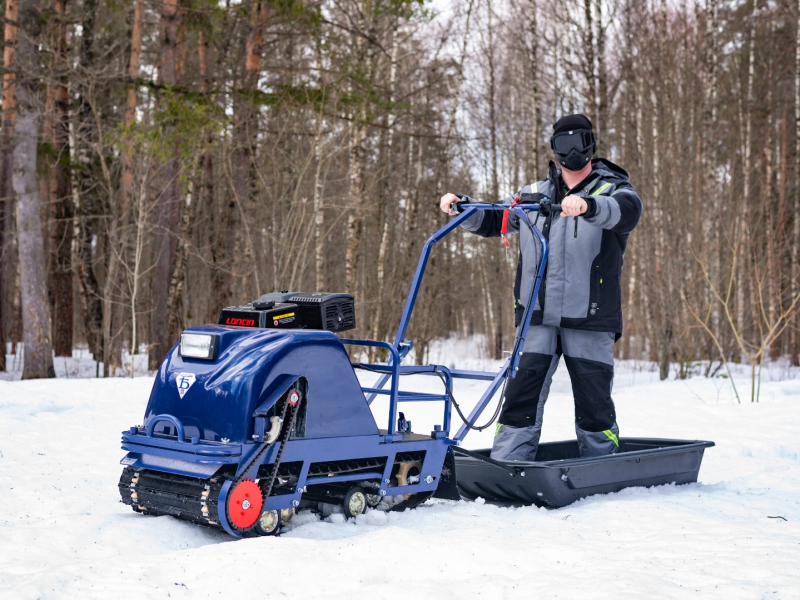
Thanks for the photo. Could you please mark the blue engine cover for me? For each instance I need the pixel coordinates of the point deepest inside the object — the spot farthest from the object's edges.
(220, 402)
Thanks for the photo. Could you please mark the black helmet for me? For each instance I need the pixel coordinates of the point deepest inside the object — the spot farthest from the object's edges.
(573, 141)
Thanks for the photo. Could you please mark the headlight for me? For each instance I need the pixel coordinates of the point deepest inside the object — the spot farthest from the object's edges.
(199, 345)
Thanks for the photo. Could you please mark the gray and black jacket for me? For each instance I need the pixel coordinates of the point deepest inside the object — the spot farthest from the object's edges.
(581, 288)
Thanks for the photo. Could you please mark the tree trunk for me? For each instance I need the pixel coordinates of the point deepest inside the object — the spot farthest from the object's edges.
(795, 277)
(35, 305)
(765, 279)
(175, 298)
(121, 279)
(87, 201)
(533, 168)
(3, 280)
(385, 196)
(319, 181)
(166, 212)
(708, 155)
(319, 213)
(743, 290)
(219, 293)
(61, 235)
(588, 55)
(491, 96)
(602, 83)
(495, 341)
(126, 182)
(6, 191)
(355, 217)
(139, 214)
(244, 273)
(356, 165)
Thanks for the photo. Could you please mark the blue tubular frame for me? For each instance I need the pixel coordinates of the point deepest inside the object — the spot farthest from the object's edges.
(400, 348)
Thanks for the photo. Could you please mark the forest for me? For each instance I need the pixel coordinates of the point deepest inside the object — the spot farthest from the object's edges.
(161, 159)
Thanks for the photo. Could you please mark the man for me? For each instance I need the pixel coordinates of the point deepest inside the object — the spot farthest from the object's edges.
(578, 311)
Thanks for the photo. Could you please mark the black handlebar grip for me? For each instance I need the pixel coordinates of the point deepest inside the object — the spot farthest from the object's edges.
(546, 208)
(462, 199)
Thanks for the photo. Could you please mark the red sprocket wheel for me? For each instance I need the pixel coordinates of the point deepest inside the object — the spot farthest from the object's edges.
(244, 504)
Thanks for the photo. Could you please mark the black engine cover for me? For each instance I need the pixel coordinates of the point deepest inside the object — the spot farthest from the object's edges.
(294, 310)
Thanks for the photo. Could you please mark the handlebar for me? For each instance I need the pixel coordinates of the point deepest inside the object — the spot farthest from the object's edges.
(466, 210)
(546, 208)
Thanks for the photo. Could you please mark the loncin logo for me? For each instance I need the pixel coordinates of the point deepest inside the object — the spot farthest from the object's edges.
(240, 322)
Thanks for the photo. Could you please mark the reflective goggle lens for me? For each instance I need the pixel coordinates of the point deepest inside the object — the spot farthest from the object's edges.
(563, 143)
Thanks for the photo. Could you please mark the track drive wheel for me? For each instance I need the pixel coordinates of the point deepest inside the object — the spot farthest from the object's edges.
(244, 504)
(269, 523)
(355, 502)
(373, 500)
(408, 473)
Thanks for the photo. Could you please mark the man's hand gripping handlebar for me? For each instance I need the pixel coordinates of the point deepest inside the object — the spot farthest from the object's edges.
(452, 205)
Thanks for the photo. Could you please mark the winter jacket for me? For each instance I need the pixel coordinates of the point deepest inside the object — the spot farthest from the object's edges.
(581, 286)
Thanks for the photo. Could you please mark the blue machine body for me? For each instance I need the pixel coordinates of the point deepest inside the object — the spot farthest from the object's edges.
(225, 393)
(205, 417)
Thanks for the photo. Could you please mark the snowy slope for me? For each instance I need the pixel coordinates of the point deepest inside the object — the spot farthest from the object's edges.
(64, 533)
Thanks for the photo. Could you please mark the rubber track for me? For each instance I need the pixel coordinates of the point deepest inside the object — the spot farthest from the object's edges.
(161, 493)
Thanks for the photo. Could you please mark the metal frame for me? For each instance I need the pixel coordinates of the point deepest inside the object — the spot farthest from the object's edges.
(400, 348)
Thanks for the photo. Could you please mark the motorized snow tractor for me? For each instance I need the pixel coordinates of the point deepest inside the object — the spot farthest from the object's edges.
(262, 413)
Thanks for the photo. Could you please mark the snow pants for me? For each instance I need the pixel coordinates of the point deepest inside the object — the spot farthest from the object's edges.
(590, 361)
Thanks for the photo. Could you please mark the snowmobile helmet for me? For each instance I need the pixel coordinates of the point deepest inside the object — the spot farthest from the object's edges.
(573, 141)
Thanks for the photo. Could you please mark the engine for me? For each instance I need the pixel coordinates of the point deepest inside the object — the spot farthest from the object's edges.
(294, 310)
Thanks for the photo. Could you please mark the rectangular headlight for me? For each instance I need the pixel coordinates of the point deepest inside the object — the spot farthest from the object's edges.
(198, 345)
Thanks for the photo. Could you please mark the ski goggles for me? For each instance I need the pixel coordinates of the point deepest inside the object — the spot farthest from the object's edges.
(566, 141)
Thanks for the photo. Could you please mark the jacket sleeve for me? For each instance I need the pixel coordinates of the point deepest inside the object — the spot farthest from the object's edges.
(488, 223)
(618, 211)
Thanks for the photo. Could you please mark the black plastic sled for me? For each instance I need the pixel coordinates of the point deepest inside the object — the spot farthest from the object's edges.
(559, 476)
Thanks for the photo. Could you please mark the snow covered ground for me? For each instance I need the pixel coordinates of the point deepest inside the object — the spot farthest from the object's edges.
(64, 533)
